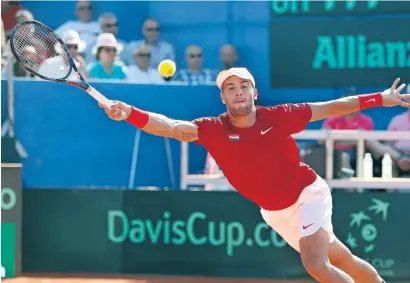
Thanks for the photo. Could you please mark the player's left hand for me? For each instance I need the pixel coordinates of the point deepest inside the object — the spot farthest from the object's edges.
(392, 96)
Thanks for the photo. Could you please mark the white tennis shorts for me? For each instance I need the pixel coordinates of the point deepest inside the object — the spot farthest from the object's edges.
(312, 211)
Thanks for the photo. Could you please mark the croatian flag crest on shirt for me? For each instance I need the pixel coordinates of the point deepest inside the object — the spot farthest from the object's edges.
(234, 137)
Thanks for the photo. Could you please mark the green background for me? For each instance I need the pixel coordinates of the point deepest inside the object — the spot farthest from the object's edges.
(68, 231)
(8, 248)
(294, 44)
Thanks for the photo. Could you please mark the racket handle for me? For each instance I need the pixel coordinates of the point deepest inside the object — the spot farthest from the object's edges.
(98, 96)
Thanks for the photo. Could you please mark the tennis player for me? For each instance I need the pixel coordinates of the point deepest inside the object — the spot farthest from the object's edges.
(255, 150)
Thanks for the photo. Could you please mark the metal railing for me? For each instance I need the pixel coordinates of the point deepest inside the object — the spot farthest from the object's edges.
(330, 136)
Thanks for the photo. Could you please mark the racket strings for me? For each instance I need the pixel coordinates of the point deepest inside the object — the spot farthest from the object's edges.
(39, 50)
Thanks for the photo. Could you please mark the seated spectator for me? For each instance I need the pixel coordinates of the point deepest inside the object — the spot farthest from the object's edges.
(4, 53)
(228, 57)
(106, 66)
(20, 16)
(9, 10)
(24, 15)
(160, 50)
(75, 46)
(399, 150)
(141, 72)
(401, 122)
(352, 121)
(108, 24)
(31, 55)
(86, 28)
(212, 168)
(195, 74)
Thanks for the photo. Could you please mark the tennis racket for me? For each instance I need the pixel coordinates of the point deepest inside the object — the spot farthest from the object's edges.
(42, 52)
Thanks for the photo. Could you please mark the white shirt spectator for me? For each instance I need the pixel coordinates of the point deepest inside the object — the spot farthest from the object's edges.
(88, 32)
(86, 28)
(136, 75)
(161, 51)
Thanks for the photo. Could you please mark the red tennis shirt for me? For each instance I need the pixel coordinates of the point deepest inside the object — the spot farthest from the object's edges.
(261, 162)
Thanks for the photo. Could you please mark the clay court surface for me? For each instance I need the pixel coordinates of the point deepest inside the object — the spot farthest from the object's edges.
(146, 279)
(143, 279)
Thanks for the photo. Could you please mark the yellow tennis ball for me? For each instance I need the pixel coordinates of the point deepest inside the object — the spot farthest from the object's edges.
(167, 68)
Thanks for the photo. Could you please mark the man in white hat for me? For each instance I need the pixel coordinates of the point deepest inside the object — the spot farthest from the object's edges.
(256, 152)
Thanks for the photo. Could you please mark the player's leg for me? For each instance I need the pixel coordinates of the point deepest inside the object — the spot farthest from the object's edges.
(315, 206)
(285, 223)
(314, 253)
(360, 270)
(316, 232)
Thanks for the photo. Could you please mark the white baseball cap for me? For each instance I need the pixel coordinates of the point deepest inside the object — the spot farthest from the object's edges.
(239, 72)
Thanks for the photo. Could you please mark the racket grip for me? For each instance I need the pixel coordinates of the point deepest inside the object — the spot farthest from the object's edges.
(98, 96)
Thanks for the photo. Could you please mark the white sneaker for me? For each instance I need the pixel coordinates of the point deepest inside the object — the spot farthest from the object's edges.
(3, 272)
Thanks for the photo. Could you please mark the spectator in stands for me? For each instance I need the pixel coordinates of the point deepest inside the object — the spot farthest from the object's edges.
(141, 72)
(86, 28)
(4, 53)
(160, 50)
(31, 54)
(228, 56)
(399, 150)
(106, 66)
(9, 10)
(18, 70)
(109, 24)
(3, 48)
(401, 122)
(24, 15)
(212, 168)
(75, 45)
(353, 121)
(194, 74)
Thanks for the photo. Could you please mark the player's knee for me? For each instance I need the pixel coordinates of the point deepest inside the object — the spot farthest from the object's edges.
(343, 258)
(340, 255)
(317, 266)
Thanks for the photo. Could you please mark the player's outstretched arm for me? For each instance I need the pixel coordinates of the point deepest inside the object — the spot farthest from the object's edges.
(152, 123)
(390, 97)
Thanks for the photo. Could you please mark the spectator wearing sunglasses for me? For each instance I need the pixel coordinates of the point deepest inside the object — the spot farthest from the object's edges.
(86, 28)
(194, 74)
(160, 50)
(228, 56)
(76, 46)
(108, 24)
(107, 66)
(141, 72)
